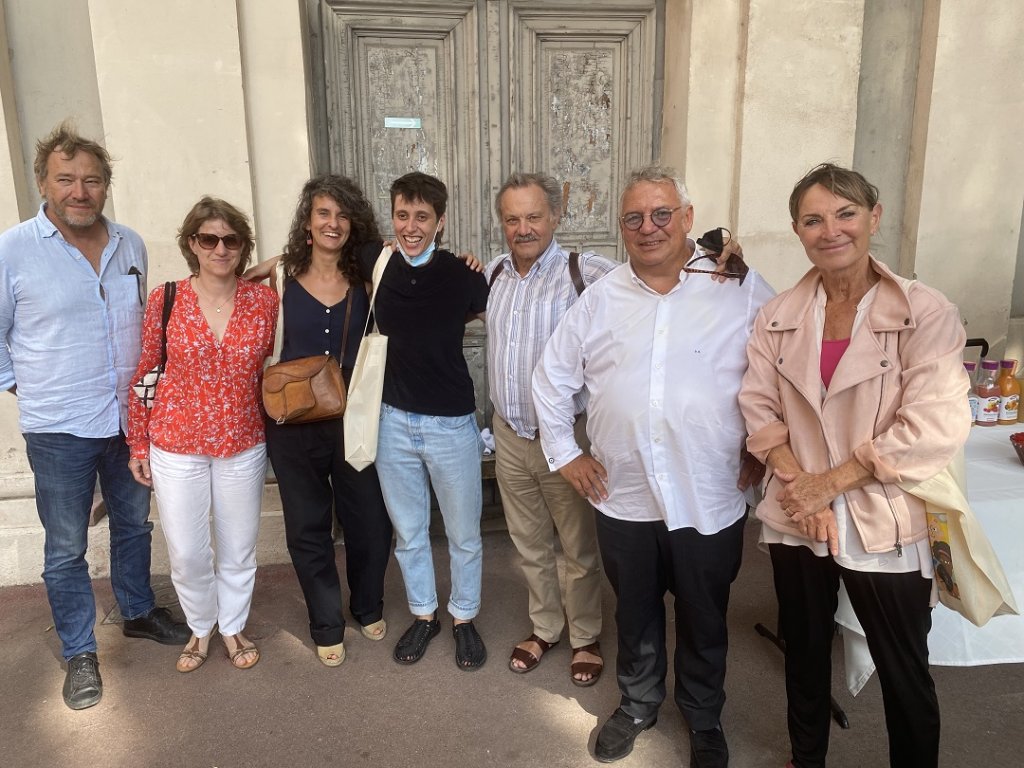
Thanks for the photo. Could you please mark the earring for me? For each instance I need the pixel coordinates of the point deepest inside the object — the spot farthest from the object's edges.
(309, 237)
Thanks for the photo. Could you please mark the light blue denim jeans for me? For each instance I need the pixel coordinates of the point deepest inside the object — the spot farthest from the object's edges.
(415, 451)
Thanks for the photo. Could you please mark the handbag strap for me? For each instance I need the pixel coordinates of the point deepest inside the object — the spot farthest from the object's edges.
(344, 332)
(170, 291)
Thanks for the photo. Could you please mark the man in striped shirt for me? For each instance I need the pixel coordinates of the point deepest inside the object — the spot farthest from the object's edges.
(532, 286)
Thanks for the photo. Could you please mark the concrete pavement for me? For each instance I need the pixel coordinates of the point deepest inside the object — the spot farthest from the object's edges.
(291, 711)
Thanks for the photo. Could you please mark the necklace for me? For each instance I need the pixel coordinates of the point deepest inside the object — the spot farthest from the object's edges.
(211, 302)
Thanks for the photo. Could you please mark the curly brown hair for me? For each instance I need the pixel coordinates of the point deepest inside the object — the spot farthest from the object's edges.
(208, 209)
(298, 254)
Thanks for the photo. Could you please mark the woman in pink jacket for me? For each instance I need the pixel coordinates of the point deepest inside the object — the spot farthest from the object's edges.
(855, 383)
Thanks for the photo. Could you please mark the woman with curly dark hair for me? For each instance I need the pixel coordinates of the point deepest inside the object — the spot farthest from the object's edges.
(325, 305)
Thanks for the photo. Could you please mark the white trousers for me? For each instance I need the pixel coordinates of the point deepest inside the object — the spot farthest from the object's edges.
(189, 491)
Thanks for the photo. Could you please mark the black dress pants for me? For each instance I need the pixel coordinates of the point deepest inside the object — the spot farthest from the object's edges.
(317, 484)
(643, 560)
(893, 610)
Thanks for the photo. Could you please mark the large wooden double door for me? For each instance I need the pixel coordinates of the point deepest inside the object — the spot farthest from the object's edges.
(470, 90)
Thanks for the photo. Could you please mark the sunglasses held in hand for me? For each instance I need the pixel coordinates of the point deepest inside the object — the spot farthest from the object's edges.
(713, 242)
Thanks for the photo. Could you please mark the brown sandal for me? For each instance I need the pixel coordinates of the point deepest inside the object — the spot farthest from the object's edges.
(242, 648)
(528, 660)
(591, 668)
(193, 655)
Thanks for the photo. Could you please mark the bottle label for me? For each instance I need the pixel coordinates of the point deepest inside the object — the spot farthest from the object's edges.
(972, 400)
(1008, 408)
(988, 410)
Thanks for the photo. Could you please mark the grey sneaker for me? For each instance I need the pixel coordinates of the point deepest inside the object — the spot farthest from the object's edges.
(83, 686)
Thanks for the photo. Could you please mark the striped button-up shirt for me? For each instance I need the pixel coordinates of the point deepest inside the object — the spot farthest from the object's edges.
(522, 313)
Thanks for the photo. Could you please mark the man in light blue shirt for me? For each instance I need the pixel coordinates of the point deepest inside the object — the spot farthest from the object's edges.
(72, 290)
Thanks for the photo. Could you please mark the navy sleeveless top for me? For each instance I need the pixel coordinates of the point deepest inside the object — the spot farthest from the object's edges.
(311, 328)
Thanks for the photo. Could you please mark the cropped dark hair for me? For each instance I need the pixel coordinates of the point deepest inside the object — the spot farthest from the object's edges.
(214, 209)
(298, 254)
(66, 139)
(421, 187)
(841, 182)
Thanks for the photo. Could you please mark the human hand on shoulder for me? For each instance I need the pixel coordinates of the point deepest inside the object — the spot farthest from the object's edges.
(472, 262)
(261, 271)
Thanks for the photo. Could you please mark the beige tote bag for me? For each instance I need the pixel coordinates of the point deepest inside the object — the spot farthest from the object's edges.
(362, 413)
(968, 575)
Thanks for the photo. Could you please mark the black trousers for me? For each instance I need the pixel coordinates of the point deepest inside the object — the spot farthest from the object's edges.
(642, 561)
(317, 484)
(893, 610)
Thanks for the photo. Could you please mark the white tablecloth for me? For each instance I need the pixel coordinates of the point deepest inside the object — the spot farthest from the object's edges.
(995, 488)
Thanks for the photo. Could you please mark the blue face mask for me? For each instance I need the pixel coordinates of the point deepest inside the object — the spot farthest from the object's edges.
(423, 258)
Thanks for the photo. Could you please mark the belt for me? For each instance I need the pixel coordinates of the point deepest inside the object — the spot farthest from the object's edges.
(534, 434)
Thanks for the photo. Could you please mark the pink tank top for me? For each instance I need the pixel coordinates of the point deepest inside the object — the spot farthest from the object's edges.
(831, 352)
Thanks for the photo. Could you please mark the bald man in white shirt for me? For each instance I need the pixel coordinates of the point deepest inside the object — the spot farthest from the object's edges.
(660, 344)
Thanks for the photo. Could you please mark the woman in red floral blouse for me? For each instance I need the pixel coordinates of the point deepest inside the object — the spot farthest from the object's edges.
(201, 446)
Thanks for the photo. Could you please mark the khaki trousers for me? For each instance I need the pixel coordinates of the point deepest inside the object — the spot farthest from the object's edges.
(537, 503)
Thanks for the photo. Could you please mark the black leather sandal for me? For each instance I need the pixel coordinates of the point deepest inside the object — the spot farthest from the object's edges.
(413, 643)
(470, 653)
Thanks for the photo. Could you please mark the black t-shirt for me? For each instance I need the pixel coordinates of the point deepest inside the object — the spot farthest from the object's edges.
(422, 311)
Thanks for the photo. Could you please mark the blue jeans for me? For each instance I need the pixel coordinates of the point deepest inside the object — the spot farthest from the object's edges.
(415, 451)
(65, 468)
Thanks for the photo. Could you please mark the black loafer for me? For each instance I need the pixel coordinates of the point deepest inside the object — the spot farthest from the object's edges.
(616, 737)
(413, 643)
(157, 625)
(83, 686)
(470, 652)
(708, 749)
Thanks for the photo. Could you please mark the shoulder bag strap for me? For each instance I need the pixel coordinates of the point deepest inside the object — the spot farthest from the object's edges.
(497, 271)
(378, 272)
(170, 290)
(344, 331)
(575, 274)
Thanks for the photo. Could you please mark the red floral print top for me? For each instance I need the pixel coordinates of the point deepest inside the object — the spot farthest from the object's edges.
(208, 401)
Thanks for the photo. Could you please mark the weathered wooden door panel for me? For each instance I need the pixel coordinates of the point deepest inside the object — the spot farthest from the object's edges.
(402, 95)
(582, 93)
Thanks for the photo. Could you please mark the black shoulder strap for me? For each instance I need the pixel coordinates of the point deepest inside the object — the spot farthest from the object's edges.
(575, 274)
(497, 271)
(170, 290)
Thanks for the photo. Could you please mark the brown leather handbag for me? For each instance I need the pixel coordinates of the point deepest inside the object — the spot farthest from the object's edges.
(307, 388)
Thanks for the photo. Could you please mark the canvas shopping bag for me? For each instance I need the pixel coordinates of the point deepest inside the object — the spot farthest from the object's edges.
(968, 575)
(362, 413)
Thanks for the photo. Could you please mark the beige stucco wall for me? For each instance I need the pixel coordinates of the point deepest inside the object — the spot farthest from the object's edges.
(173, 110)
(973, 181)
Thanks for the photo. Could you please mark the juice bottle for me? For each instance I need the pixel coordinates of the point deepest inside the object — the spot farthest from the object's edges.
(1009, 392)
(972, 397)
(987, 391)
